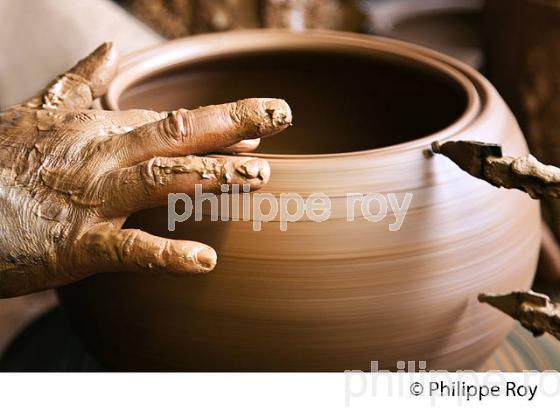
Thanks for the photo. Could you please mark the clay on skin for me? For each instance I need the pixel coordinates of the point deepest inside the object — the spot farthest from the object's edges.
(70, 176)
(533, 310)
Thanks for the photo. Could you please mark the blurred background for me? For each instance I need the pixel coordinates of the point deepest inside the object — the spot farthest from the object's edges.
(513, 42)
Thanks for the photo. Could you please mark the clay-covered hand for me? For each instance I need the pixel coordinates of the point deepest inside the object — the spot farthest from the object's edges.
(69, 177)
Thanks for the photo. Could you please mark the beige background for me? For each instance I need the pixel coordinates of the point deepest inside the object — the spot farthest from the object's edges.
(40, 39)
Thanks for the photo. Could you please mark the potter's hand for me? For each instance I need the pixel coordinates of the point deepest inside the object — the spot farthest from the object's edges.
(69, 177)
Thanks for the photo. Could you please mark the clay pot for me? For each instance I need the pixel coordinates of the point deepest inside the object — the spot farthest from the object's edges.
(333, 295)
(450, 26)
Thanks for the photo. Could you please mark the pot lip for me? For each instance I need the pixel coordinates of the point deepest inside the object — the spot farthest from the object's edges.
(175, 53)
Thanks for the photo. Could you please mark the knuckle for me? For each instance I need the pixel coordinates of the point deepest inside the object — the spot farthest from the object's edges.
(107, 246)
(159, 171)
(150, 172)
(237, 112)
(177, 126)
(81, 117)
(126, 244)
(66, 91)
(92, 248)
(161, 252)
(155, 172)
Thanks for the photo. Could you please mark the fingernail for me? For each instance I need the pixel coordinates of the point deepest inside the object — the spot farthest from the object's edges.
(254, 168)
(206, 258)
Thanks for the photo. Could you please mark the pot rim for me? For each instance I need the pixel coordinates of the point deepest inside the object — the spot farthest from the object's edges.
(148, 62)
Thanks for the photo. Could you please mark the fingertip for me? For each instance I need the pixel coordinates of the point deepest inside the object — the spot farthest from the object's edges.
(206, 258)
(278, 111)
(267, 116)
(99, 68)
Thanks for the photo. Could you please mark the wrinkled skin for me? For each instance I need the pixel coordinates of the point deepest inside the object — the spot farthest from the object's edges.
(69, 177)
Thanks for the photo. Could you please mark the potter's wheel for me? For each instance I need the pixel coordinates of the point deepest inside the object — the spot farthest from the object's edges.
(521, 351)
(49, 344)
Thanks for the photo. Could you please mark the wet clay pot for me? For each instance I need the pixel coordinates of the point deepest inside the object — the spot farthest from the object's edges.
(330, 295)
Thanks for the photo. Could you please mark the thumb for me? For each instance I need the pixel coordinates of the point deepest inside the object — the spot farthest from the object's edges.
(78, 87)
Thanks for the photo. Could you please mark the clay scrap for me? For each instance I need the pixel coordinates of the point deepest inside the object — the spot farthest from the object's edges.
(485, 161)
(533, 310)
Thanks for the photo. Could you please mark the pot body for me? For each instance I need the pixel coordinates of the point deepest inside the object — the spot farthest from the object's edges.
(331, 295)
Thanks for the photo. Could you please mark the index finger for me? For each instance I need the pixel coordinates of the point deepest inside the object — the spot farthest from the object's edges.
(201, 131)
